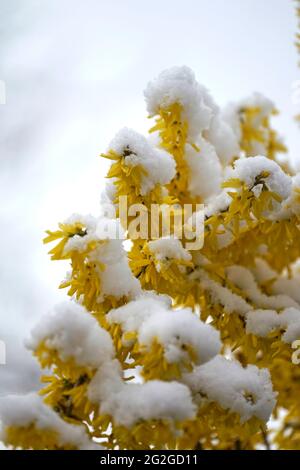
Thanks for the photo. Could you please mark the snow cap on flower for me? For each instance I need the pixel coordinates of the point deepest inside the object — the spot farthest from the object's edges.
(176, 330)
(21, 412)
(129, 404)
(246, 391)
(205, 171)
(73, 334)
(262, 322)
(248, 169)
(178, 85)
(158, 165)
(225, 141)
(170, 248)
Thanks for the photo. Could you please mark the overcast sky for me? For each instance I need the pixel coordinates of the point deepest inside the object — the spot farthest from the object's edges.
(75, 71)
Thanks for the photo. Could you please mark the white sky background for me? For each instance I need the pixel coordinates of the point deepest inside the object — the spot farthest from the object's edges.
(75, 71)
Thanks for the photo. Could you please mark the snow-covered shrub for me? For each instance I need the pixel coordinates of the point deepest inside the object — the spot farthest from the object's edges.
(161, 346)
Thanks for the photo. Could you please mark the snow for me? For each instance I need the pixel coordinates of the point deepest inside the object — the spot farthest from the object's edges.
(110, 257)
(220, 294)
(295, 196)
(110, 190)
(77, 242)
(291, 205)
(110, 252)
(152, 318)
(248, 169)
(263, 107)
(230, 115)
(74, 334)
(26, 410)
(130, 403)
(195, 223)
(114, 258)
(97, 229)
(158, 164)
(258, 101)
(262, 272)
(117, 280)
(88, 221)
(257, 190)
(223, 138)
(244, 280)
(278, 284)
(246, 391)
(194, 228)
(178, 85)
(218, 204)
(288, 287)
(166, 249)
(153, 400)
(178, 328)
(132, 315)
(205, 171)
(262, 322)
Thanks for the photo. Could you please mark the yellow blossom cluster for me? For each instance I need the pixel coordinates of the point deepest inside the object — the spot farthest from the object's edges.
(163, 346)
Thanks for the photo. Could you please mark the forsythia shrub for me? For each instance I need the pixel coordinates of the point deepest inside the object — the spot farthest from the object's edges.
(164, 345)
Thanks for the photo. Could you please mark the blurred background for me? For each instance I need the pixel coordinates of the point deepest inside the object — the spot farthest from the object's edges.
(74, 72)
